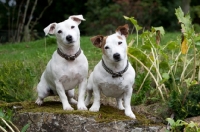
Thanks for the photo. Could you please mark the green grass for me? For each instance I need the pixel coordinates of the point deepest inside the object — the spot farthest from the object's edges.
(42, 50)
(21, 64)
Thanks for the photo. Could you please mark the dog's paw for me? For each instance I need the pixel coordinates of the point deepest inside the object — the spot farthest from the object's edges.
(81, 106)
(94, 109)
(72, 101)
(68, 108)
(130, 114)
(121, 108)
(39, 101)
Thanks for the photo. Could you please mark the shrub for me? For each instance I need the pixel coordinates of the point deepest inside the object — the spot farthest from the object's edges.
(173, 66)
(186, 104)
(182, 126)
(141, 94)
(16, 81)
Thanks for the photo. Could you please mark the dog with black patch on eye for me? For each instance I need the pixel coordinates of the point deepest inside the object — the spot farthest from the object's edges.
(68, 66)
(113, 75)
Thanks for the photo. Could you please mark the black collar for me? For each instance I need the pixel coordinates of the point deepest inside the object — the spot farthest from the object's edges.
(116, 74)
(69, 57)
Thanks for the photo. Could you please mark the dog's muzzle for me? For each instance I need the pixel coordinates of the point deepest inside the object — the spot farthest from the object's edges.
(117, 57)
(69, 38)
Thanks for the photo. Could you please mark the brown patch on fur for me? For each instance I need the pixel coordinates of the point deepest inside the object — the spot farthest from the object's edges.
(64, 78)
(120, 37)
(123, 30)
(103, 44)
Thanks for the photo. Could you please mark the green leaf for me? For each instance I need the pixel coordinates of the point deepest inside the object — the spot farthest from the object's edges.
(197, 38)
(185, 19)
(170, 121)
(134, 22)
(172, 45)
(24, 129)
(127, 18)
(192, 124)
(161, 29)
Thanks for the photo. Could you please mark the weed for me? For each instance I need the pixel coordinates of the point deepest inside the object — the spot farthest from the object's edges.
(16, 82)
(6, 123)
(182, 126)
(173, 66)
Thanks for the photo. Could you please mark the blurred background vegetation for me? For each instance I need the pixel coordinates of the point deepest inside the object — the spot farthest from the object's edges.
(24, 20)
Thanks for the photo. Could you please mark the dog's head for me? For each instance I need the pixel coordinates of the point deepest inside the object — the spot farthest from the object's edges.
(114, 46)
(67, 32)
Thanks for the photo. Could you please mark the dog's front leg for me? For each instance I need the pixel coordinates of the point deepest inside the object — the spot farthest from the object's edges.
(70, 96)
(96, 104)
(119, 103)
(127, 101)
(81, 96)
(61, 92)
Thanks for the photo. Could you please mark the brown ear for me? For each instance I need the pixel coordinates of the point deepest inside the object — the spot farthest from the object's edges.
(123, 30)
(97, 40)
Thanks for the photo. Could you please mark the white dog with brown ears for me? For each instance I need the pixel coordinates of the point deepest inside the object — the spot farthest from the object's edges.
(113, 75)
(68, 66)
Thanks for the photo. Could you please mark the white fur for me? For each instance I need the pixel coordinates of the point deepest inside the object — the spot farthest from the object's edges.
(62, 76)
(102, 81)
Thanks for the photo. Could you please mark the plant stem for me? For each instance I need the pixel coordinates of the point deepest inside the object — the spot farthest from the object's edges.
(194, 68)
(144, 79)
(157, 85)
(14, 126)
(1, 128)
(7, 125)
(137, 36)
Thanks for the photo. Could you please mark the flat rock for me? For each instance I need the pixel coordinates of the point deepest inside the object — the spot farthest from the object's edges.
(50, 122)
(50, 117)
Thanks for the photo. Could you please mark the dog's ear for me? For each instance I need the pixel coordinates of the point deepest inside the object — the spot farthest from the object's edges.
(50, 29)
(97, 40)
(77, 18)
(123, 30)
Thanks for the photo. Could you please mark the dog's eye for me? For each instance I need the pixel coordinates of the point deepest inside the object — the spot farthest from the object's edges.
(119, 43)
(106, 47)
(59, 31)
(72, 27)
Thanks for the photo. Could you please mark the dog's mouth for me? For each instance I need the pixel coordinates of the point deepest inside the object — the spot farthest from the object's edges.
(117, 60)
(70, 42)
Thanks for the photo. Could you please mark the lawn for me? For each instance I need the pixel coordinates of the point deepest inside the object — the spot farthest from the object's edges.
(23, 63)
(43, 49)
(32, 52)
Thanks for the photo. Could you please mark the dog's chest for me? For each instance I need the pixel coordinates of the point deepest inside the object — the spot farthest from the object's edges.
(113, 88)
(71, 76)
(70, 81)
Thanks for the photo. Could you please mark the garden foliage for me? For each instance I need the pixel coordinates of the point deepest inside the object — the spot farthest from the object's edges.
(182, 126)
(16, 82)
(6, 124)
(173, 67)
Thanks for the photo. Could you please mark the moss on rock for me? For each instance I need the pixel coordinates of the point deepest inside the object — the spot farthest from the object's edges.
(105, 114)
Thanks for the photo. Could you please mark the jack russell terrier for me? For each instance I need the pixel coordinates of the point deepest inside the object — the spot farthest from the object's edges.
(113, 75)
(68, 66)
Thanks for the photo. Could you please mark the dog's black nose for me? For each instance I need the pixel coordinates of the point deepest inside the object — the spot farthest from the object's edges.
(116, 56)
(69, 38)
